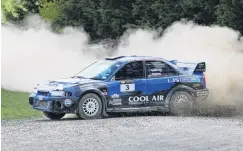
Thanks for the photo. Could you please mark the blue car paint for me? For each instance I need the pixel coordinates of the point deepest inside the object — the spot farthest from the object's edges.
(143, 87)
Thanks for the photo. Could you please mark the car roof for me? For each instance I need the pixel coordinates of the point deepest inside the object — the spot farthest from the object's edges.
(134, 58)
(143, 58)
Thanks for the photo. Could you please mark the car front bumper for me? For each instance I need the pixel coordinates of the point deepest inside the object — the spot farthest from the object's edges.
(54, 104)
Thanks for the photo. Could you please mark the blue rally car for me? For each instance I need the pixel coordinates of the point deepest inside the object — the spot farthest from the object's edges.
(124, 84)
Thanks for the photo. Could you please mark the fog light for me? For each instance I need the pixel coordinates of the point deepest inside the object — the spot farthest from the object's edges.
(67, 102)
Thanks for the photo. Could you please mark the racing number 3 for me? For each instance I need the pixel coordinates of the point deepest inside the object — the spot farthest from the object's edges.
(127, 87)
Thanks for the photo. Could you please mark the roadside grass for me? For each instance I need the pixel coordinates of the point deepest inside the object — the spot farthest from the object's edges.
(15, 105)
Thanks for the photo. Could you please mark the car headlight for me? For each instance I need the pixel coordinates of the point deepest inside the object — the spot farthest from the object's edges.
(57, 93)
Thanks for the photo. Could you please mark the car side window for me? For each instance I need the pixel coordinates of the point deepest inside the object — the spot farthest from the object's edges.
(133, 70)
(159, 69)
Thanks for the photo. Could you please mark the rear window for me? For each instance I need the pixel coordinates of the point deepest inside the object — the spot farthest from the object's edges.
(159, 69)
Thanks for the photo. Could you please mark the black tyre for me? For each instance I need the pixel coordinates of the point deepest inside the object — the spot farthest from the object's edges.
(181, 104)
(53, 116)
(90, 106)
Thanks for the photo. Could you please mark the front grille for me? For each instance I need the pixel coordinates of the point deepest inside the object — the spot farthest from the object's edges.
(42, 104)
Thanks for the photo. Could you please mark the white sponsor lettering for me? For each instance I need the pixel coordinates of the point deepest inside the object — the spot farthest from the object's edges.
(139, 99)
(156, 70)
(184, 79)
(155, 74)
(158, 98)
(115, 96)
(116, 102)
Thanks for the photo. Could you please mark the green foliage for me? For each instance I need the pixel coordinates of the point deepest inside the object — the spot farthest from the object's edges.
(156, 13)
(33, 5)
(15, 106)
(230, 13)
(200, 11)
(101, 19)
(49, 10)
(109, 19)
(12, 10)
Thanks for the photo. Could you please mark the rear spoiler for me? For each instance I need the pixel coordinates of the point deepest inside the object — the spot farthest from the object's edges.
(200, 68)
(193, 68)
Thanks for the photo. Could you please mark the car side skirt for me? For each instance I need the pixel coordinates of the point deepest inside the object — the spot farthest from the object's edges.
(140, 109)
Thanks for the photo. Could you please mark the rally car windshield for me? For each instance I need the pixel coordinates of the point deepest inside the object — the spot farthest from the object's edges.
(100, 70)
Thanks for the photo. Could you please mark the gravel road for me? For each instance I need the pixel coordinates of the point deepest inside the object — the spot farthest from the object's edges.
(125, 134)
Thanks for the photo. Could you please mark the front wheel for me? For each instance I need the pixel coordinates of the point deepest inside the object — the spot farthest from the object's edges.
(181, 104)
(53, 116)
(90, 106)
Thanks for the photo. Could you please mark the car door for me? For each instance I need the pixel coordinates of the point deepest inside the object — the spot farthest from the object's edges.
(160, 77)
(128, 82)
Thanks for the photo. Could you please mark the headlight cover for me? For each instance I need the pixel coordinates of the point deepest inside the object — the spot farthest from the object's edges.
(57, 93)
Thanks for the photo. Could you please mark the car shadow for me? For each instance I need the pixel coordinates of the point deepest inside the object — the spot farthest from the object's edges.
(112, 115)
(209, 114)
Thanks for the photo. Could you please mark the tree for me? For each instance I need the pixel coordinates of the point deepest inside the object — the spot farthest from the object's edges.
(109, 19)
(230, 13)
(200, 11)
(13, 10)
(49, 10)
(102, 19)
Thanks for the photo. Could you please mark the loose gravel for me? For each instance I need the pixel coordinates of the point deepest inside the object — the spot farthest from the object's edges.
(130, 133)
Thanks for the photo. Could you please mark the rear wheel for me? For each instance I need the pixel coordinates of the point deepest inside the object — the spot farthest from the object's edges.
(53, 116)
(181, 104)
(90, 106)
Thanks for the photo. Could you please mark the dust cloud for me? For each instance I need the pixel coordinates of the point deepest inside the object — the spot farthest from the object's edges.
(33, 54)
(220, 47)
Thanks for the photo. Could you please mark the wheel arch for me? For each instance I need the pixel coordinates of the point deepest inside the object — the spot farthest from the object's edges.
(100, 95)
(178, 88)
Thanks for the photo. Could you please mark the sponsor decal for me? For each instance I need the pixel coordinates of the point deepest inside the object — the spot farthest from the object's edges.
(115, 96)
(67, 102)
(155, 74)
(195, 80)
(136, 108)
(104, 92)
(86, 85)
(40, 97)
(156, 70)
(174, 80)
(142, 99)
(185, 79)
(127, 87)
(115, 100)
